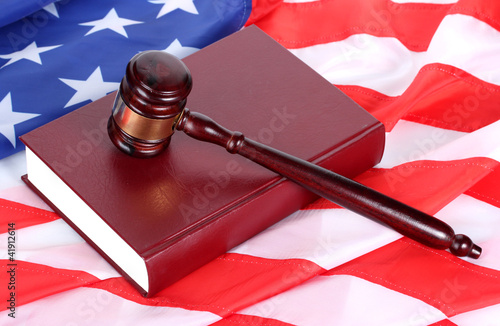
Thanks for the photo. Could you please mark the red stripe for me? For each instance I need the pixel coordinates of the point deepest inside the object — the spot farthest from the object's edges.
(33, 281)
(242, 320)
(23, 215)
(225, 285)
(487, 189)
(438, 278)
(425, 185)
(260, 9)
(297, 25)
(440, 95)
(450, 98)
(444, 322)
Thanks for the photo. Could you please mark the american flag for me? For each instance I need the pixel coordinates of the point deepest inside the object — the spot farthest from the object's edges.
(428, 69)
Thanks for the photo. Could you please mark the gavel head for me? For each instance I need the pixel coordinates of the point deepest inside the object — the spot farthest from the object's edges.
(151, 97)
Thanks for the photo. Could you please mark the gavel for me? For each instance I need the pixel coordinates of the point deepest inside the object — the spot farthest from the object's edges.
(150, 106)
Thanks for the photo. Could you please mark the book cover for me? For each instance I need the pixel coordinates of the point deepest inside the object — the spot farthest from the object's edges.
(158, 219)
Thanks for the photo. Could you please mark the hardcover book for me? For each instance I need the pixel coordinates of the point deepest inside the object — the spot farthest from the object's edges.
(156, 220)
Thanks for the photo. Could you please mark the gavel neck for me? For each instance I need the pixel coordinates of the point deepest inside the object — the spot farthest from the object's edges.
(201, 127)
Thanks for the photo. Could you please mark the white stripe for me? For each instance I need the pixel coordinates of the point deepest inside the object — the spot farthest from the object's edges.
(345, 300)
(95, 307)
(488, 316)
(56, 245)
(22, 194)
(480, 143)
(469, 44)
(410, 141)
(328, 237)
(380, 63)
(480, 222)
(384, 64)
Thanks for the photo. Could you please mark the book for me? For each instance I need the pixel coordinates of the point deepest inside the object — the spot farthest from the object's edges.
(158, 219)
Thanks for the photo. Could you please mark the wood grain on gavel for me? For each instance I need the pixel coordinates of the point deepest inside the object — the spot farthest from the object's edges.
(150, 105)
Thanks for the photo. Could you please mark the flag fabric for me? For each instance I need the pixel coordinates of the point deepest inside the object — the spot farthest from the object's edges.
(427, 69)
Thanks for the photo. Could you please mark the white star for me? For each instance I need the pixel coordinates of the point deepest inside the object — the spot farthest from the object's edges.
(31, 52)
(11, 118)
(91, 89)
(51, 8)
(180, 51)
(171, 5)
(112, 22)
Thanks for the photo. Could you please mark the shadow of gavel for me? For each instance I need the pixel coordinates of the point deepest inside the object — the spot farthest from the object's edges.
(150, 106)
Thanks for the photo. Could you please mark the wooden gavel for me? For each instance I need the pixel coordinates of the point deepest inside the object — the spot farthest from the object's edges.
(150, 105)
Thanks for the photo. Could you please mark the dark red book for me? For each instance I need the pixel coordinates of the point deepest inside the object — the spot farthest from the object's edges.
(158, 219)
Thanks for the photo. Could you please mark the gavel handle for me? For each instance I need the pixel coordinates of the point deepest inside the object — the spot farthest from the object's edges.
(347, 193)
